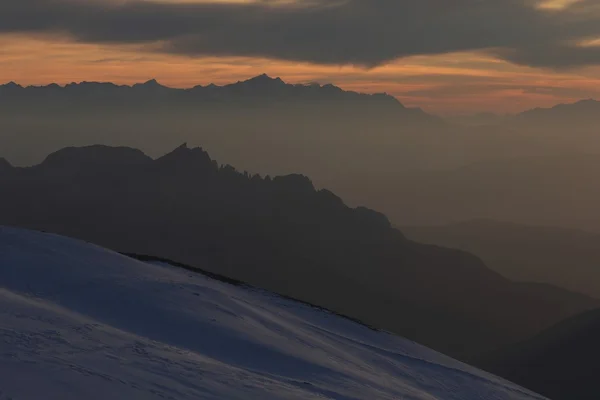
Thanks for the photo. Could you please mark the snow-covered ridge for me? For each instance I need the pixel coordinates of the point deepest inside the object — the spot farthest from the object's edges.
(78, 321)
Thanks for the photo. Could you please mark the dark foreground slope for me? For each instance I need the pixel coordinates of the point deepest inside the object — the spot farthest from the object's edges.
(563, 257)
(561, 363)
(283, 235)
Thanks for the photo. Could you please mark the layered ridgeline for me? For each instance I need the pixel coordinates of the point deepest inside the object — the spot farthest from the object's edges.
(369, 149)
(283, 235)
(278, 120)
(81, 322)
(561, 363)
(559, 256)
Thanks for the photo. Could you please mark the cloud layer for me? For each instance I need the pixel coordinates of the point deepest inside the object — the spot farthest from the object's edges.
(359, 32)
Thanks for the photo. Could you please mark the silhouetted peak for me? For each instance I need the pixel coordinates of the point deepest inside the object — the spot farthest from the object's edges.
(331, 87)
(95, 155)
(11, 85)
(90, 84)
(264, 80)
(372, 218)
(588, 102)
(579, 105)
(331, 197)
(151, 84)
(294, 183)
(186, 157)
(586, 105)
(388, 98)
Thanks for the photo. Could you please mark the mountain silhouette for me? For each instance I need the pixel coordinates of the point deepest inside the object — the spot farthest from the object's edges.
(284, 235)
(312, 128)
(561, 363)
(582, 107)
(369, 149)
(563, 257)
(259, 91)
(579, 117)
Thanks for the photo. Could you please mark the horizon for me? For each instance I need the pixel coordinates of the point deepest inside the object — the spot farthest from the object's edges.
(488, 56)
(321, 84)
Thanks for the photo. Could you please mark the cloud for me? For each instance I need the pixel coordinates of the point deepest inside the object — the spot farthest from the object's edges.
(358, 32)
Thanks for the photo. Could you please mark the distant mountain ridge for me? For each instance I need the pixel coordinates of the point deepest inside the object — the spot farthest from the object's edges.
(262, 87)
(280, 234)
(584, 105)
(563, 257)
(579, 117)
(265, 85)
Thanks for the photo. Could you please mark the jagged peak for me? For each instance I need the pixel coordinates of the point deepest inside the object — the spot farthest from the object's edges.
(331, 86)
(12, 85)
(295, 182)
(184, 155)
(50, 86)
(152, 83)
(264, 78)
(90, 83)
(183, 146)
(177, 151)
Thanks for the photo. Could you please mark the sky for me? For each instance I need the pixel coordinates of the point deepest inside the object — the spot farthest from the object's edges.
(447, 57)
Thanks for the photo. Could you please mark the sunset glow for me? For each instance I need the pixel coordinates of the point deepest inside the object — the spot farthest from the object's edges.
(481, 78)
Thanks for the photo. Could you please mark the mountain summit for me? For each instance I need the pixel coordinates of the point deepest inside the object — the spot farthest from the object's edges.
(264, 79)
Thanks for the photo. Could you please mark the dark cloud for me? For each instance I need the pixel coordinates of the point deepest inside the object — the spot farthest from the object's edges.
(361, 32)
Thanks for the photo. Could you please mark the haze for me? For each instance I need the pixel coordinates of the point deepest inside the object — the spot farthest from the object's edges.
(425, 167)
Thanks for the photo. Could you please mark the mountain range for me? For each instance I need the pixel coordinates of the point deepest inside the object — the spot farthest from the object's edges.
(283, 235)
(369, 149)
(256, 92)
(568, 258)
(582, 115)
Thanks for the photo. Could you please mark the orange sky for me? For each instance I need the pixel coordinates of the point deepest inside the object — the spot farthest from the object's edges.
(446, 84)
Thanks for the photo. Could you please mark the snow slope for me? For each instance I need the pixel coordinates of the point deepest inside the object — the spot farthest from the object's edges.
(81, 322)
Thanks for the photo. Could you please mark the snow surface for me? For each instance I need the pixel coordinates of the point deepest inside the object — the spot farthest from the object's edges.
(81, 322)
